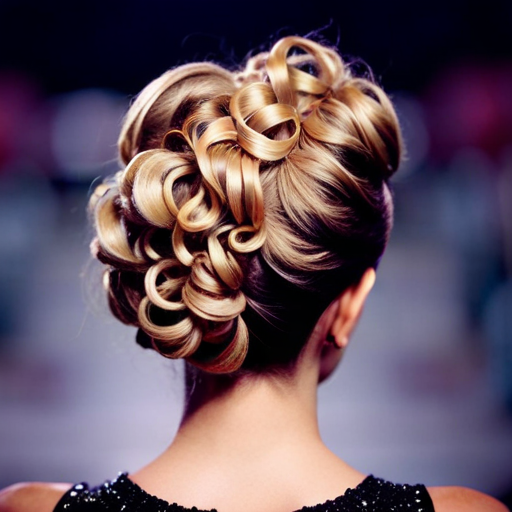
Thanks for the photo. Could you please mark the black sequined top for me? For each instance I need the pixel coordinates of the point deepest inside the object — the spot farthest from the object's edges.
(122, 495)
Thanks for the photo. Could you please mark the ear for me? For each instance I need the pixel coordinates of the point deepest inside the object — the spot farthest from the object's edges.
(350, 307)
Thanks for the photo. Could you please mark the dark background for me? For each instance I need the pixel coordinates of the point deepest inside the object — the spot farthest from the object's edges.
(122, 45)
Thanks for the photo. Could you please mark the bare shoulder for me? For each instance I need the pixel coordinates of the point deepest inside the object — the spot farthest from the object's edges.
(32, 497)
(463, 499)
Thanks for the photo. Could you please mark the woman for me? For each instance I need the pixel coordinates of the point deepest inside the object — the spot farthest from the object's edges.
(243, 236)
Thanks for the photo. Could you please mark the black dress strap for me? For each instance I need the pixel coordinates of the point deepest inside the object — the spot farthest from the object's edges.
(119, 495)
(377, 495)
(123, 495)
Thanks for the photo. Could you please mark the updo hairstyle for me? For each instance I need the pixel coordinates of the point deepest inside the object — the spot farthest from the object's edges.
(249, 201)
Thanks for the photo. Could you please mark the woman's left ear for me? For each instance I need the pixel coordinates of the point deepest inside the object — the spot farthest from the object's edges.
(350, 307)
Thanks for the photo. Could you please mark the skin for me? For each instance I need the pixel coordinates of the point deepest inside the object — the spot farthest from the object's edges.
(227, 452)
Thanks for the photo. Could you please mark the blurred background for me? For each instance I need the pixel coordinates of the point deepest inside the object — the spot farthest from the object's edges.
(425, 391)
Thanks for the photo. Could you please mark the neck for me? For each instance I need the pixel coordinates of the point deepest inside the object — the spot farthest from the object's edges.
(249, 438)
(238, 414)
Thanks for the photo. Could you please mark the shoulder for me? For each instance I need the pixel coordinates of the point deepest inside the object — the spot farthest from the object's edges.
(463, 499)
(32, 496)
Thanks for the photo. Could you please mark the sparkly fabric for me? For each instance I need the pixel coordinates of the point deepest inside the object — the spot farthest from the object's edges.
(122, 495)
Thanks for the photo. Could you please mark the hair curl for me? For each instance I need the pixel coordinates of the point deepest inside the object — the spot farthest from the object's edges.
(249, 200)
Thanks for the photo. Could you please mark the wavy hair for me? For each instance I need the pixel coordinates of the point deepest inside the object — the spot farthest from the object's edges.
(249, 200)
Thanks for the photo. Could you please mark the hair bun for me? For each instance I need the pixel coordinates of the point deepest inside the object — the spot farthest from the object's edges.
(235, 182)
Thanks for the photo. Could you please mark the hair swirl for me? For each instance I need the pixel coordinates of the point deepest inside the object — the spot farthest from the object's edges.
(248, 201)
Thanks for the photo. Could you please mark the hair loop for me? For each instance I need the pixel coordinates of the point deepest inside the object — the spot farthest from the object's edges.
(143, 248)
(175, 341)
(220, 130)
(111, 230)
(180, 251)
(232, 356)
(246, 239)
(195, 215)
(206, 297)
(175, 141)
(159, 294)
(223, 261)
(266, 130)
(299, 88)
(171, 179)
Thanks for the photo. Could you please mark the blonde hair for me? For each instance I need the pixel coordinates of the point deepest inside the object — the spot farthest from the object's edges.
(248, 201)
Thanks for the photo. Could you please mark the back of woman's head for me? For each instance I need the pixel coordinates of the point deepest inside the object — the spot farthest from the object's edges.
(249, 201)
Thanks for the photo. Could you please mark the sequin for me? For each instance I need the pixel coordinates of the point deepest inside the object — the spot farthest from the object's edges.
(122, 495)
